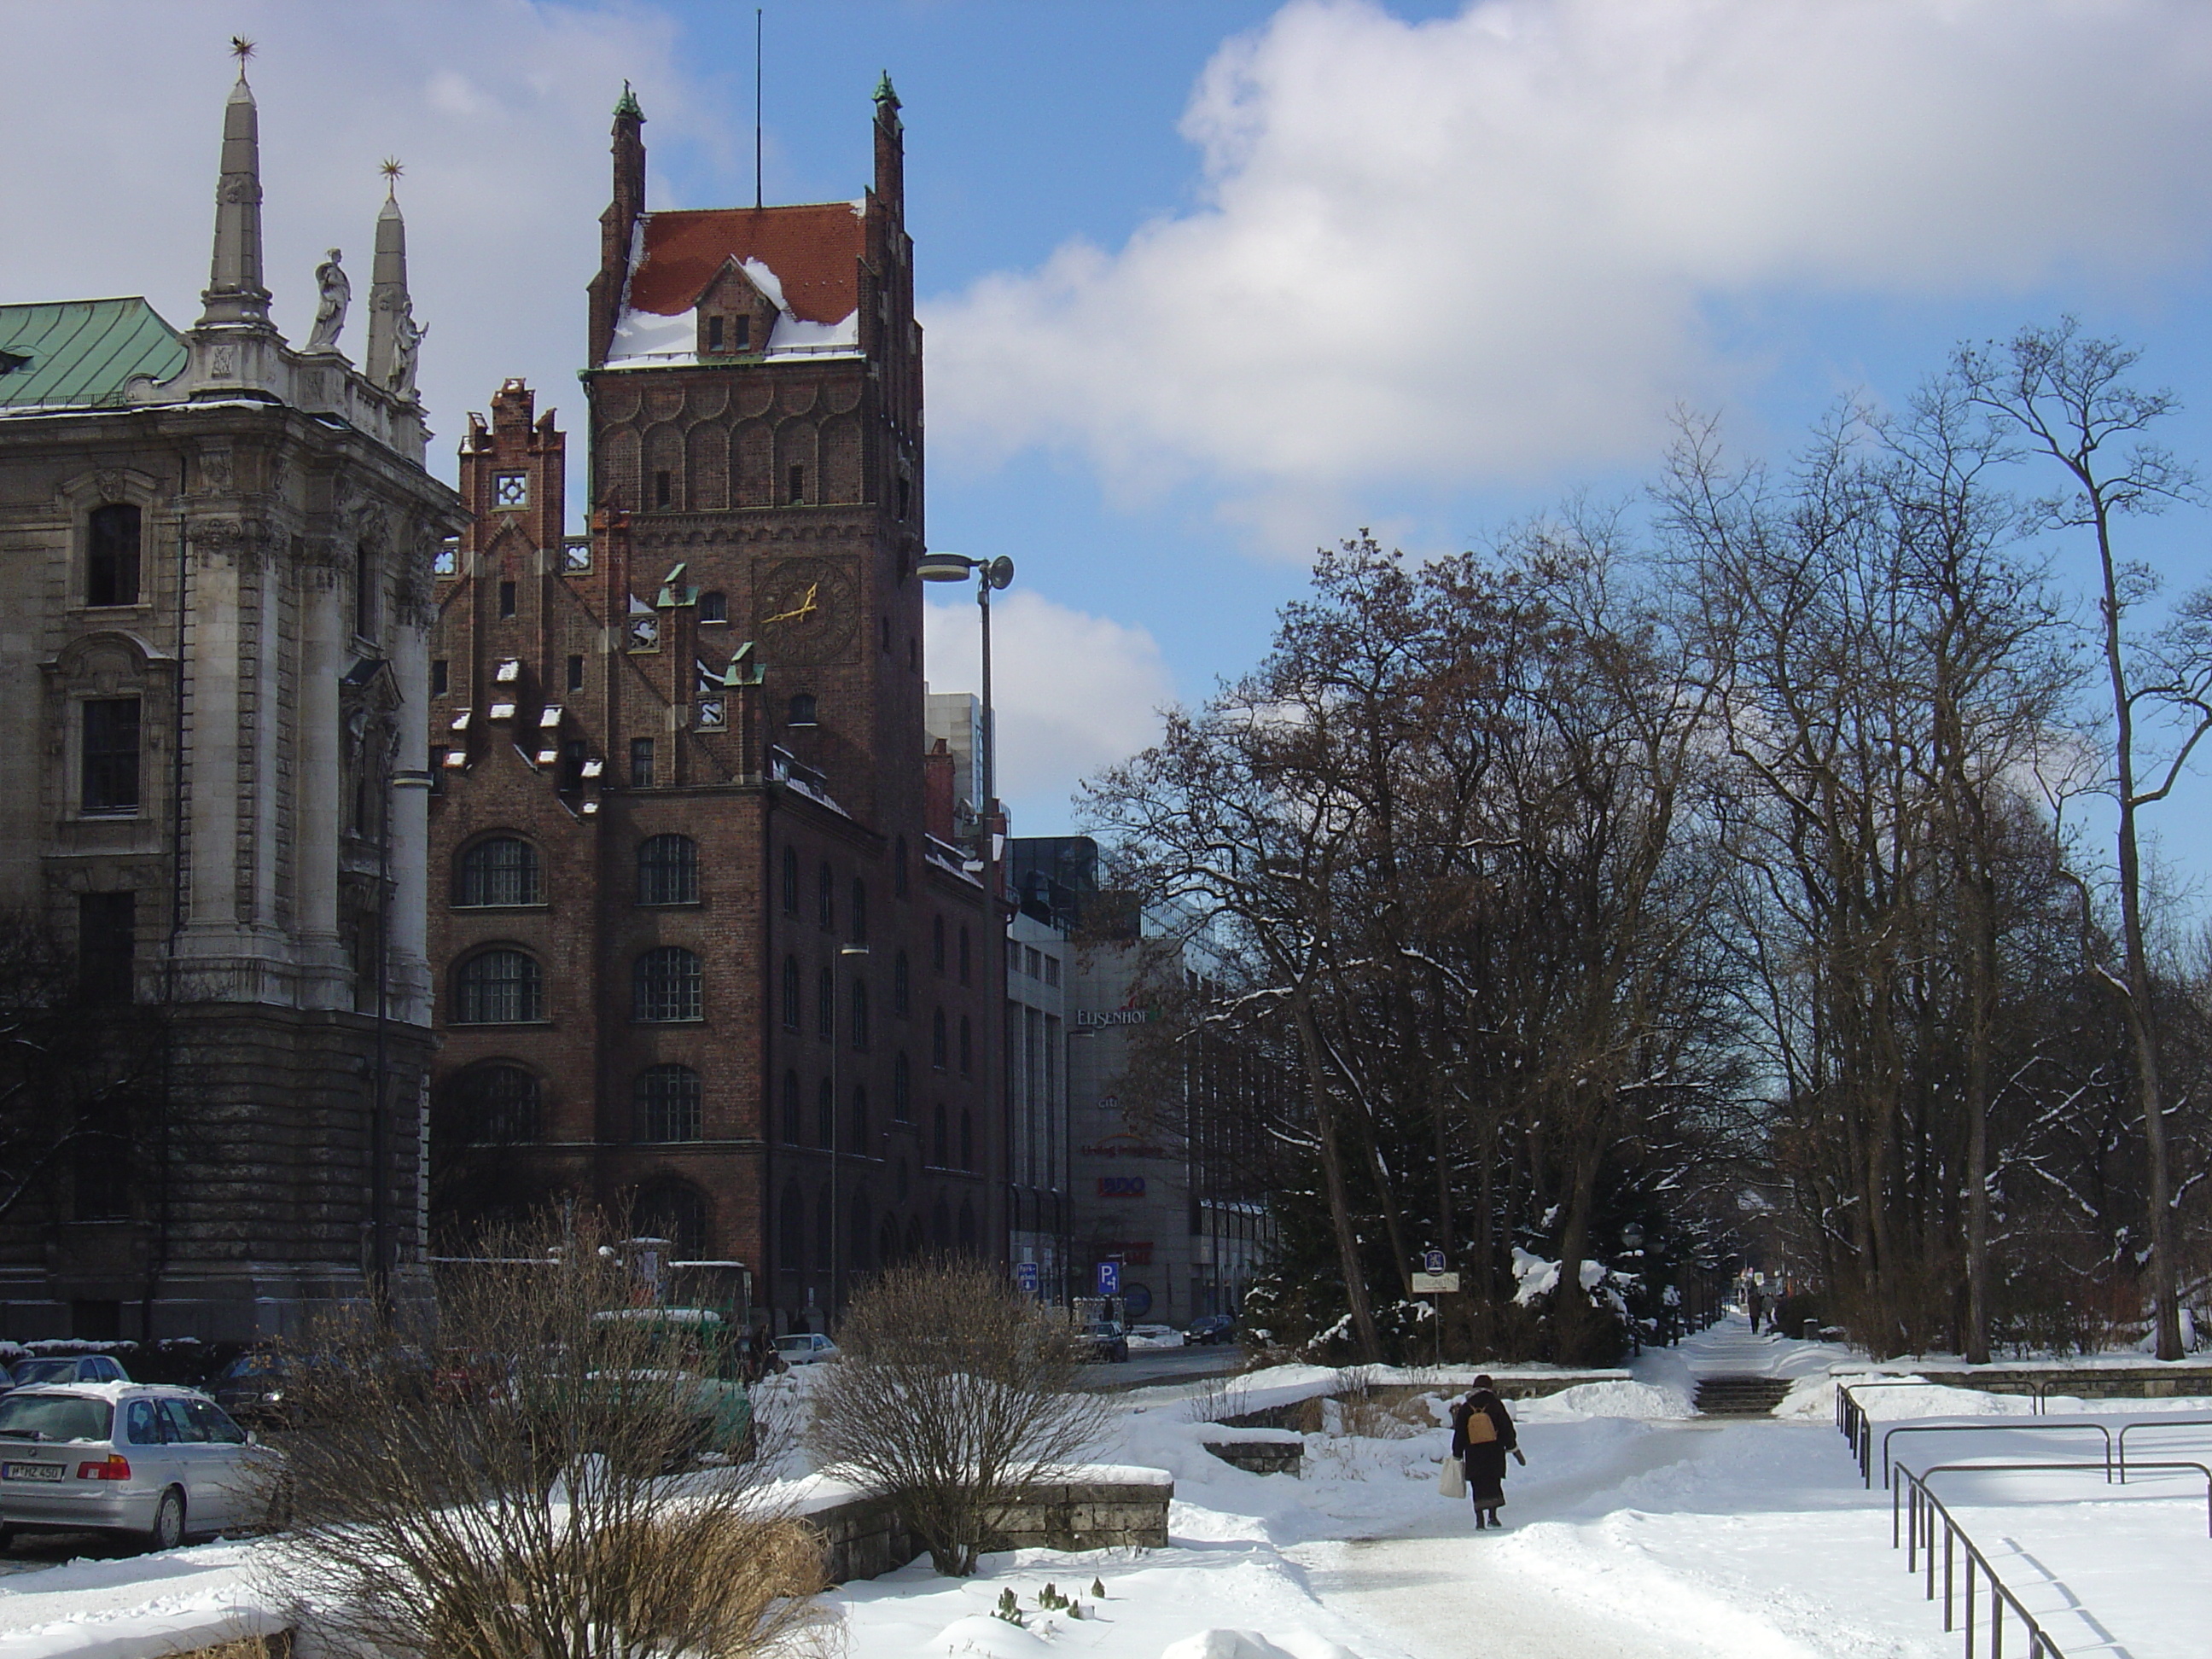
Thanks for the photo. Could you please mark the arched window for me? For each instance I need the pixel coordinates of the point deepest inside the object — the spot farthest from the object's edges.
(887, 1242)
(791, 1231)
(939, 1148)
(859, 911)
(859, 1117)
(496, 1104)
(713, 606)
(665, 985)
(898, 868)
(937, 943)
(668, 1103)
(940, 1227)
(966, 1047)
(802, 709)
(110, 554)
(902, 1089)
(914, 1235)
(501, 869)
(967, 1139)
(964, 953)
(825, 899)
(676, 1212)
(860, 1015)
(790, 1108)
(498, 987)
(902, 987)
(790, 881)
(791, 993)
(825, 1004)
(668, 870)
(937, 1044)
(967, 1225)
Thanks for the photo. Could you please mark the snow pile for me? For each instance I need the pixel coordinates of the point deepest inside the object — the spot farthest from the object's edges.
(1250, 1644)
(1587, 1400)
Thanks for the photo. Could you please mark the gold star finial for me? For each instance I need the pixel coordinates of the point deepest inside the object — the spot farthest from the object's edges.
(241, 49)
(391, 169)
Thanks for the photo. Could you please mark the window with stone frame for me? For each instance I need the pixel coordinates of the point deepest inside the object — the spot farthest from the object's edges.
(675, 1210)
(713, 606)
(665, 986)
(668, 870)
(112, 555)
(641, 764)
(107, 756)
(825, 899)
(668, 1103)
(106, 947)
(937, 1044)
(499, 870)
(791, 993)
(498, 986)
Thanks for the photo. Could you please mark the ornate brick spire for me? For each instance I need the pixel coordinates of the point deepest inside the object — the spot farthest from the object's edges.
(234, 294)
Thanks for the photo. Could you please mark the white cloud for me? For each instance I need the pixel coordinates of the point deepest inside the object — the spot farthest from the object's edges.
(499, 110)
(1072, 692)
(1487, 247)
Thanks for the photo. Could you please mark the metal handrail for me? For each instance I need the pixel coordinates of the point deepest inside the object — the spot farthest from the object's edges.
(2204, 1469)
(1851, 1418)
(1920, 1532)
(2176, 1422)
(2012, 1427)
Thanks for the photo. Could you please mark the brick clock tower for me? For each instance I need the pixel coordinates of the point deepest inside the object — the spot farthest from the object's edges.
(697, 953)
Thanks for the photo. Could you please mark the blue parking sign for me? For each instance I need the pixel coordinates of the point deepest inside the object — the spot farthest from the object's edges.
(1110, 1279)
(1025, 1276)
(1432, 1261)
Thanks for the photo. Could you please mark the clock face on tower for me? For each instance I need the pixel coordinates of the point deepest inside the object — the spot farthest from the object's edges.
(805, 609)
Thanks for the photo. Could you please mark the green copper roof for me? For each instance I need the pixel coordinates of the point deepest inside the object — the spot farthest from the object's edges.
(884, 95)
(78, 354)
(628, 104)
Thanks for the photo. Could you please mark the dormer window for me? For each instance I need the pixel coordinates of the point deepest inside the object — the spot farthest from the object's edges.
(715, 334)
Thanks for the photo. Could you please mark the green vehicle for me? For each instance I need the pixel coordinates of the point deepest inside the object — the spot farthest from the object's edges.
(642, 1357)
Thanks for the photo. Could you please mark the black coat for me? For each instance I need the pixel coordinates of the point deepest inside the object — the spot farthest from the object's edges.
(1485, 1461)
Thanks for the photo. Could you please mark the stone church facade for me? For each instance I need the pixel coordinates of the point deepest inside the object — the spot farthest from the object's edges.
(216, 571)
(699, 955)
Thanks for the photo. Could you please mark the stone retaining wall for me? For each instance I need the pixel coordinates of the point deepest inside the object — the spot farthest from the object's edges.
(864, 1537)
(2086, 1382)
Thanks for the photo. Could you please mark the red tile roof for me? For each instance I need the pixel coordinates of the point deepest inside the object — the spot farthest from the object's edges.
(814, 250)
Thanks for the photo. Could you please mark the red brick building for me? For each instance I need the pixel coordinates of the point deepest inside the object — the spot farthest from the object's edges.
(696, 951)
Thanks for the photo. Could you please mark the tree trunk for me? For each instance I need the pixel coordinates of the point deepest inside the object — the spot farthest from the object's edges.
(1339, 1201)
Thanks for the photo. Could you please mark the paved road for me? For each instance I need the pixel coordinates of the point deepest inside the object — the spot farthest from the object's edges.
(1146, 1365)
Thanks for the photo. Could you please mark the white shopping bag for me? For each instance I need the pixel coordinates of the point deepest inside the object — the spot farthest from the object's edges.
(1451, 1481)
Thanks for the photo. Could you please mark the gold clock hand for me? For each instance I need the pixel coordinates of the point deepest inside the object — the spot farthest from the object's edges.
(805, 607)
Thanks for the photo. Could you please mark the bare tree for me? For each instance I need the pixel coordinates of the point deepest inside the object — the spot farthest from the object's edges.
(567, 1474)
(952, 1393)
(2070, 399)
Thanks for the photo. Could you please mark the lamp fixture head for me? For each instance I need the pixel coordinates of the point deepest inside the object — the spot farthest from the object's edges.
(944, 567)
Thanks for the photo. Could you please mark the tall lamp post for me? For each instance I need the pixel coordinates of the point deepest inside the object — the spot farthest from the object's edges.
(989, 574)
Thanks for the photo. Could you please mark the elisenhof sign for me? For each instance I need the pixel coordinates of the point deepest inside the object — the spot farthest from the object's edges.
(1114, 1017)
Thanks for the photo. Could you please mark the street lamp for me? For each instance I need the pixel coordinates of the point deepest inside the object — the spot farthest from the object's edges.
(989, 574)
(836, 1115)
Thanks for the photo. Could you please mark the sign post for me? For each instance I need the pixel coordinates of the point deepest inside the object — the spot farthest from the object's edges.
(1433, 1282)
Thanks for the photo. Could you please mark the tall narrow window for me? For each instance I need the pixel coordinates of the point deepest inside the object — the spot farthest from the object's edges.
(859, 1014)
(111, 563)
(741, 335)
(714, 325)
(967, 1145)
(825, 898)
(790, 881)
(905, 496)
(826, 1113)
(575, 673)
(109, 772)
(504, 869)
(902, 987)
(902, 1089)
(964, 953)
(939, 1146)
(106, 939)
(364, 593)
(713, 606)
(937, 1042)
(937, 943)
(859, 1117)
(966, 1047)
(790, 1108)
(641, 762)
(668, 1103)
(825, 1004)
(665, 985)
(439, 680)
(859, 911)
(791, 993)
(898, 868)
(506, 600)
(664, 489)
(668, 870)
(797, 486)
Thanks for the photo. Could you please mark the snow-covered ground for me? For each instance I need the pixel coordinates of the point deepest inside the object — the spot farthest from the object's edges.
(1635, 1529)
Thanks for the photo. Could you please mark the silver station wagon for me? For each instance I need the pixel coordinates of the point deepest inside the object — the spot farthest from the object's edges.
(128, 1457)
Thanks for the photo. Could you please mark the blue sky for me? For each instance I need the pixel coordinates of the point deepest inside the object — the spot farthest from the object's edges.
(1211, 281)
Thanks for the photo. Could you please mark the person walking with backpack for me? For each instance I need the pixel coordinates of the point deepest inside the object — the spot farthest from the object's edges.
(1482, 1434)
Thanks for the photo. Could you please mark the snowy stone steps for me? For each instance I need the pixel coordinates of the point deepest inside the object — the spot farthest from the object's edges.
(1740, 1396)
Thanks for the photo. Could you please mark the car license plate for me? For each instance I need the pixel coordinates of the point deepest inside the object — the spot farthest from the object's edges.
(30, 1471)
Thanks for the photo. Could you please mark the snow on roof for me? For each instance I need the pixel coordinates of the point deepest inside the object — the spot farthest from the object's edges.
(811, 255)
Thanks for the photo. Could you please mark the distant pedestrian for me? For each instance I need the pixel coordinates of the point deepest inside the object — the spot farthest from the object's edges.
(1758, 1305)
(1482, 1434)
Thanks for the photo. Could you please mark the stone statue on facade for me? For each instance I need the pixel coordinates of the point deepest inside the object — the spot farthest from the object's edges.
(406, 345)
(336, 293)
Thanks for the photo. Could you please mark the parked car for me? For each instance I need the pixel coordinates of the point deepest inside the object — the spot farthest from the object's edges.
(67, 1368)
(1209, 1328)
(156, 1461)
(1155, 1336)
(1101, 1338)
(251, 1388)
(805, 1348)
